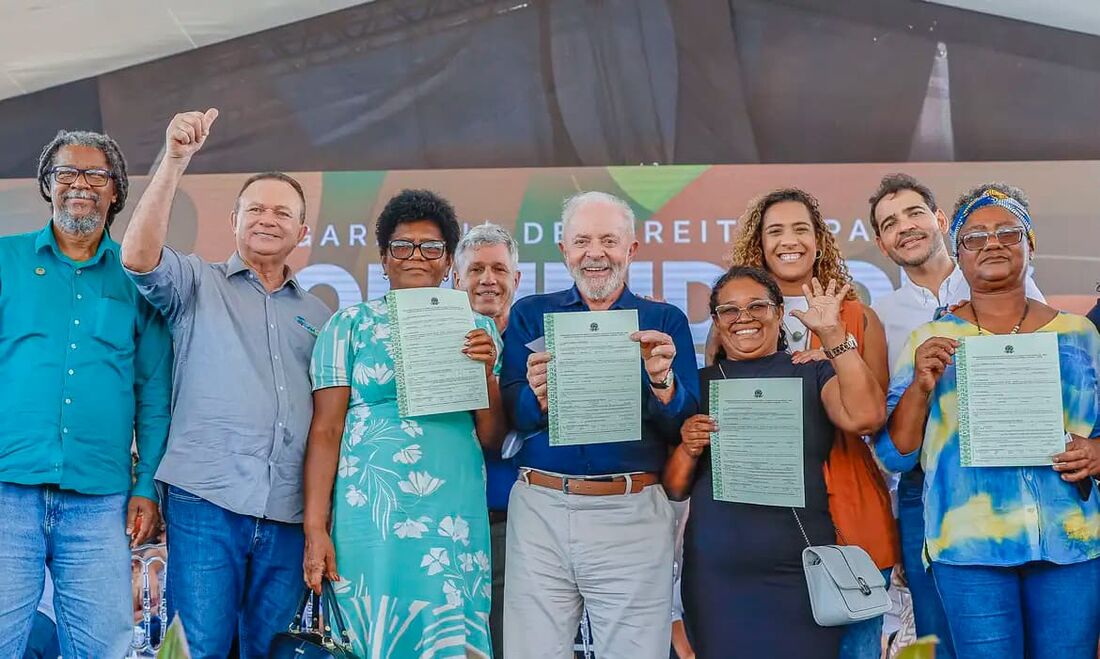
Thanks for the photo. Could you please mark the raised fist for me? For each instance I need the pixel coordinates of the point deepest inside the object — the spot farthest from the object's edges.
(187, 132)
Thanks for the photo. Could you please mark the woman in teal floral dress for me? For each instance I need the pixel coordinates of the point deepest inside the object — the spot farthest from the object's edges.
(408, 552)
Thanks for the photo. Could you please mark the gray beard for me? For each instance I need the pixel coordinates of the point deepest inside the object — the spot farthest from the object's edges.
(617, 278)
(84, 225)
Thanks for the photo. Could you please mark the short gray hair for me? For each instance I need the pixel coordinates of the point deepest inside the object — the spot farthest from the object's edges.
(573, 204)
(485, 235)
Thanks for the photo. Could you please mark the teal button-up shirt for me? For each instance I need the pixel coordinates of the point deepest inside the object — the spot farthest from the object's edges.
(85, 368)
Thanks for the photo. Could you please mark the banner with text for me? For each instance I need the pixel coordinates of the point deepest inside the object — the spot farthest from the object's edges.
(687, 217)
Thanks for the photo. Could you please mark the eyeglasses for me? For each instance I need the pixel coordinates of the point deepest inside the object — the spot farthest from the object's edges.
(977, 240)
(429, 249)
(759, 310)
(97, 178)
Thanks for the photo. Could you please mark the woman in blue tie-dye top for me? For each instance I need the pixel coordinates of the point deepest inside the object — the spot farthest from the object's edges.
(1013, 549)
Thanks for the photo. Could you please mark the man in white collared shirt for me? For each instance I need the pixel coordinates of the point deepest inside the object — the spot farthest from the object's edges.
(909, 229)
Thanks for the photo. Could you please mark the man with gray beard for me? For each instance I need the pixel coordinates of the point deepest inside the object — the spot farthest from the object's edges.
(590, 525)
(86, 366)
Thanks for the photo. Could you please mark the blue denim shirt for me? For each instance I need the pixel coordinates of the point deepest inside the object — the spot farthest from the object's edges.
(660, 422)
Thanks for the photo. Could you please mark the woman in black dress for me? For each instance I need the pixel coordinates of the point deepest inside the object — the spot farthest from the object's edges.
(744, 589)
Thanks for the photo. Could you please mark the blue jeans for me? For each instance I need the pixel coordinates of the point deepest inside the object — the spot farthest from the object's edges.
(1038, 610)
(927, 608)
(863, 640)
(82, 538)
(230, 574)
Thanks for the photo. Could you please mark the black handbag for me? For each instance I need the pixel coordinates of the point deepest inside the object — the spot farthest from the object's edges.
(316, 639)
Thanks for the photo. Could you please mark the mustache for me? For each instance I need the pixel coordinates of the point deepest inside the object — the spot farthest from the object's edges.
(595, 263)
(81, 194)
(912, 233)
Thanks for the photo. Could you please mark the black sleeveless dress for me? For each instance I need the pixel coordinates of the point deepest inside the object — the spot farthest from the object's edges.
(743, 587)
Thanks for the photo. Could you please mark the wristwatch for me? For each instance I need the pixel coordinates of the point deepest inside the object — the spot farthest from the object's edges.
(849, 344)
(663, 384)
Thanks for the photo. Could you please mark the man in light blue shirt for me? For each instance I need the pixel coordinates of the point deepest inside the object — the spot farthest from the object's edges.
(86, 366)
(242, 401)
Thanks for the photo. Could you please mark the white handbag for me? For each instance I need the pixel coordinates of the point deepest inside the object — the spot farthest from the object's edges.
(844, 584)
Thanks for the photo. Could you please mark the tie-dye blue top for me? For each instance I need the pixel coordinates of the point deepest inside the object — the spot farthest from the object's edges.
(1001, 516)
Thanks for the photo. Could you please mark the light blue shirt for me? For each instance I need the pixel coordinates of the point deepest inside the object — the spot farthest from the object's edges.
(242, 400)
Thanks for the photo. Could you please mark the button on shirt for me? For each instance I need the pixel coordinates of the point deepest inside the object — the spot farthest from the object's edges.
(242, 399)
(911, 306)
(86, 365)
(1001, 516)
(660, 422)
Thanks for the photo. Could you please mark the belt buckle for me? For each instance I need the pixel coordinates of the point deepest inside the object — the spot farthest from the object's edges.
(565, 485)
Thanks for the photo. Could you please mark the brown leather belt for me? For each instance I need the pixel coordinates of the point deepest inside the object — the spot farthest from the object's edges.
(592, 487)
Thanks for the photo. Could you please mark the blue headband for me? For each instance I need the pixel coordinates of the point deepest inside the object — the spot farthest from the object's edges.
(991, 197)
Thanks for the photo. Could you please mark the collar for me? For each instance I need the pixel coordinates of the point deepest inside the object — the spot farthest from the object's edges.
(46, 239)
(236, 265)
(946, 288)
(626, 299)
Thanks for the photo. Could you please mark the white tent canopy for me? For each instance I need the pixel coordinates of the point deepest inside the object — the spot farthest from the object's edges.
(44, 43)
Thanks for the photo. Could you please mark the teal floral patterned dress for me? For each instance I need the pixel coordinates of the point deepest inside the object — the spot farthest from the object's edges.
(409, 518)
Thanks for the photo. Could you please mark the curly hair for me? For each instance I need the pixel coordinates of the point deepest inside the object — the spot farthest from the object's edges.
(116, 162)
(748, 246)
(414, 205)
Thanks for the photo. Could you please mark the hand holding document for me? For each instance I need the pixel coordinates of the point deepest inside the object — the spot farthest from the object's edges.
(429, 327)
(1010, 400)
(594, 379)
(757, 453)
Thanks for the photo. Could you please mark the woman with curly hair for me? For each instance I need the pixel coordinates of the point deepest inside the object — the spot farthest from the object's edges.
(784, 233)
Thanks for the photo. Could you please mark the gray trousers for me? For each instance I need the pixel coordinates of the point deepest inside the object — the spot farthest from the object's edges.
(609, 554)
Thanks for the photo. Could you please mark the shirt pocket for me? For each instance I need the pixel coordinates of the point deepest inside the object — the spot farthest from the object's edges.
(115, 324)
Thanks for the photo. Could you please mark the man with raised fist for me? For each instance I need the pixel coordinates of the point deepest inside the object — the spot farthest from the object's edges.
(243, 331)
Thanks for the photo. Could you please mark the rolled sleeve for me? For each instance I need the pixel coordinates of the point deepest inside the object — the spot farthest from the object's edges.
(889, 456)
(153, 398)
(169, 287)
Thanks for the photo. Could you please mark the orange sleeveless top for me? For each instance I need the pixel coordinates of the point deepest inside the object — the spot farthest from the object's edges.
(859, 500)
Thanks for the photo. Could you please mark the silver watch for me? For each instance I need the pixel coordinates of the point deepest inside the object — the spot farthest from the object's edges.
(849, 344)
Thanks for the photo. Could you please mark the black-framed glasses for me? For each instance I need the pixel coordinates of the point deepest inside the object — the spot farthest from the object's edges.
(96, 177)
(431, 250)
(759, 310)
(977, 240)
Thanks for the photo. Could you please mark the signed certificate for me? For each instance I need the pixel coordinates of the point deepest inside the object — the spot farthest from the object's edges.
(594, 385)
(429, 327)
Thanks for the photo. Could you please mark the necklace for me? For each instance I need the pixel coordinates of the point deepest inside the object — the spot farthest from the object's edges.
(1015, 330)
